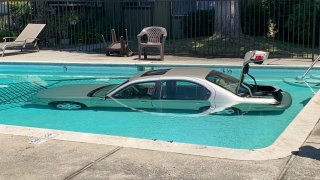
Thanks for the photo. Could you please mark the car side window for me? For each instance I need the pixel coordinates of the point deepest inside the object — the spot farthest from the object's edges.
(183, 90)
(143, 90)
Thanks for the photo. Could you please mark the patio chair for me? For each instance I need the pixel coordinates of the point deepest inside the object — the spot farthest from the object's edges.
(120, 47)
(26, 39)
(156, 37)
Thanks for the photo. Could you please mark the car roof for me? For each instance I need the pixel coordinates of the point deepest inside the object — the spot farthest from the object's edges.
(174, 72)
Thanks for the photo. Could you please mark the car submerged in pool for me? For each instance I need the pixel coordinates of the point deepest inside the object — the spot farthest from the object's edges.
(200, 89)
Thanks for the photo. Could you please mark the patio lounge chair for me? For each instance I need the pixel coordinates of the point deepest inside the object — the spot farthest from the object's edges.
(156, 37)
(120, 47)
(27, 38)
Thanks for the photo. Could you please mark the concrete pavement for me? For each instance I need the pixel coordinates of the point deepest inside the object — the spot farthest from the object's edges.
(50, 56)
(53, 159)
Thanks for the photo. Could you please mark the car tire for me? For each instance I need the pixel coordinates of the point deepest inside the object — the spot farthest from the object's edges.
(68, 105)
(229, 111)
(203, 109)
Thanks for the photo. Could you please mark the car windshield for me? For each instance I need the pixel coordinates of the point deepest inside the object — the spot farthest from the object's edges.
(155, 72)
(227, 82)
(103, 91)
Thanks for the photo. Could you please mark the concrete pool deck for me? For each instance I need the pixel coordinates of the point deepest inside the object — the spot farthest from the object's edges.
(59, 158)
(50, 56)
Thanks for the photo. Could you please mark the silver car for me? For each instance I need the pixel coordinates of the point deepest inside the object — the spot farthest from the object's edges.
(200, 89)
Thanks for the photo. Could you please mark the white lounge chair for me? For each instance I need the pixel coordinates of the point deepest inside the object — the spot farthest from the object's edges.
(27, 38)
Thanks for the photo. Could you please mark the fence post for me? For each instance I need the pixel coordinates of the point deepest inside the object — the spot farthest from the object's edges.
(9, 18)
(314, 30)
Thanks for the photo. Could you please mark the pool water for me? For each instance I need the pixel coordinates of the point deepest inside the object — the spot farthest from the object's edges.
(245, 131)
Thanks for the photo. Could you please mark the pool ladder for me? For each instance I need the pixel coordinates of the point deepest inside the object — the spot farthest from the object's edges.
(311, 66)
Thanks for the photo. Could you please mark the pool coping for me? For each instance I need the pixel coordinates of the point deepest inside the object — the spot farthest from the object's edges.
(291, 139)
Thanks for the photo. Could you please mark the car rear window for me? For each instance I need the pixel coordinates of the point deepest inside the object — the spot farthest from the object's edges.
(223, 80)
(155, 72)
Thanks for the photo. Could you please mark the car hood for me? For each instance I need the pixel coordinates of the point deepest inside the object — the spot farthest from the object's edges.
(74, 90)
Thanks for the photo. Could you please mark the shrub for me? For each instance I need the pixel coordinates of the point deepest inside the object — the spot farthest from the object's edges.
(199, 23)
(300, 22)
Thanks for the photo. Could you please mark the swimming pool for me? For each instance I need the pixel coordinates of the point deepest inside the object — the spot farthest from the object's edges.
(247, 131)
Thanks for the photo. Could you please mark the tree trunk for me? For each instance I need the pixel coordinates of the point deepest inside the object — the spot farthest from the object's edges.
(227, 18)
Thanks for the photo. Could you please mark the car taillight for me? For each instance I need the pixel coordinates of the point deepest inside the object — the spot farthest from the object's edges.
(259, 57)
(256, 57)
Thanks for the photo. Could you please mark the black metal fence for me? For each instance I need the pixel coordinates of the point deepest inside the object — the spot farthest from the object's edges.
(286, 28)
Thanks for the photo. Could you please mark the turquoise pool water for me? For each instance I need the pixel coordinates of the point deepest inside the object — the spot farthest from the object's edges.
(247, 131)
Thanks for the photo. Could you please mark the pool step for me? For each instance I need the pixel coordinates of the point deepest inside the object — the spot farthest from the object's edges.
(17, 94)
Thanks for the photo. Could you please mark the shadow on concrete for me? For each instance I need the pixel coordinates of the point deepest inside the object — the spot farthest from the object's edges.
(18, 52)
(308, 152)
(148, 59)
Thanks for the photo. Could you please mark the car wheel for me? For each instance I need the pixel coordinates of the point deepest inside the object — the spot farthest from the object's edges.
(202, 109)
(229, 111)
(68, 105)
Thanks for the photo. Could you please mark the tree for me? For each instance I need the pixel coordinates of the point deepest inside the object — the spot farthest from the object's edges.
(227, 18)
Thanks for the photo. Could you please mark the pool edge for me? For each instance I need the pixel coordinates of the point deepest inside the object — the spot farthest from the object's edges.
(290, 140)
(152, 64)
